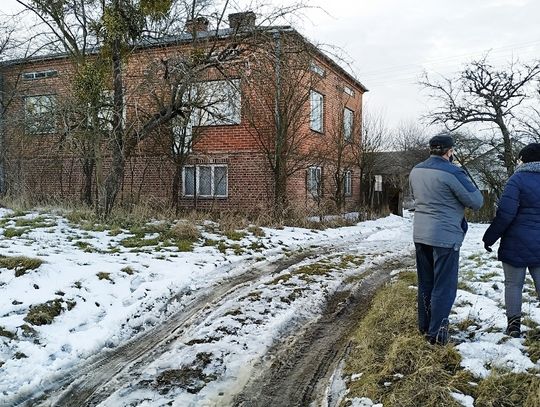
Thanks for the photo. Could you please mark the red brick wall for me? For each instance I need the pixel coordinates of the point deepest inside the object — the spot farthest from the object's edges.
(42, 166)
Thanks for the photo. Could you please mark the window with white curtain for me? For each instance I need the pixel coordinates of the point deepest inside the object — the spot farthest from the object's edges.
(317, 111)
(348, 124)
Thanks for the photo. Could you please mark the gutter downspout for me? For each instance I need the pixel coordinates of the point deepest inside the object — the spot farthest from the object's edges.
(2, 138)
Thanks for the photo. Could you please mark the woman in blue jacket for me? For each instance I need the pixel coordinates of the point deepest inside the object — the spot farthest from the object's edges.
(517, 223)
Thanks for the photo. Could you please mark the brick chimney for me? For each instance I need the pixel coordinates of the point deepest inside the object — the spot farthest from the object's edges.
(196, 25)
(242, 21)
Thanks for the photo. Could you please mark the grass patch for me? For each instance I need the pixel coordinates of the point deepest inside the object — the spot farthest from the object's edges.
(21, 264)
(128, 270)
(85, 246)
(235, 235)
(488, 277)
(102, 275)
(138, 242)
(508, 390)
(7, 334)
(398, 366)
(14, 232)
(44, 314)
(34, 223)
(184, 245)
(532, 341)
(256, 231)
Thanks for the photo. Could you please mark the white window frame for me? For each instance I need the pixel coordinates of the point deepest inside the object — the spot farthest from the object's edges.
(314, 181)
(49, 73)
(378, 185)
(212, 180)
(347, 183)
(33, 121)
(316, 101)
(349, 91)
(348, 124)
(316, 68)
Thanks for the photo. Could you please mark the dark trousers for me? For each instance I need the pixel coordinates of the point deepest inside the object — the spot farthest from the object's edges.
(437, 269)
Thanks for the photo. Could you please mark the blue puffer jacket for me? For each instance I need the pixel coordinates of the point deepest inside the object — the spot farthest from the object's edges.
(517, 221)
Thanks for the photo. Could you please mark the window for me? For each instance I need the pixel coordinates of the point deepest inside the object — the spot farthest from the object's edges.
(347, 183)
(348, 91)
(182, 136)
(317, 109)
(39, 116)
(378, 183)
(205, 180)
(348, 122)
(40, 74)
(314, 179)
(106, 110)
(220, 103)
(317, 69)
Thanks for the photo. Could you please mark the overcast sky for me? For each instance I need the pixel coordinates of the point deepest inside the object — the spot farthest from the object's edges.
(391, 42)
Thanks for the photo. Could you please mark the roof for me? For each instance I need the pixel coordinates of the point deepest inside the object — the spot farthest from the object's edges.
(184, 38)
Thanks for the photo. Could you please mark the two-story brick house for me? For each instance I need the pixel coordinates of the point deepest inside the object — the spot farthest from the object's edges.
(229, 167)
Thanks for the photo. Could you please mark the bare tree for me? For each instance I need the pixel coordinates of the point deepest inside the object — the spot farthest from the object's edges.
(281, 78)
(339, 148)
(375, 139)
(118, 28)
(482, 93)
(530, 121)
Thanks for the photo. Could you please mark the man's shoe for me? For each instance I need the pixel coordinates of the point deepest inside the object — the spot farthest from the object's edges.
(514, 327)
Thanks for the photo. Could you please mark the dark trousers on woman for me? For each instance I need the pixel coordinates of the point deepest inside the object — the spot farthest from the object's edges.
(437, 269)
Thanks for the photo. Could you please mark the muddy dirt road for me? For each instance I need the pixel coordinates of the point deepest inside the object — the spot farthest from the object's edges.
(301, 366)
(294, 372)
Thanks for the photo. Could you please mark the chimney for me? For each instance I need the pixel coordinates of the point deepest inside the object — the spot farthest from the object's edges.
(242, 21)
(196, 25)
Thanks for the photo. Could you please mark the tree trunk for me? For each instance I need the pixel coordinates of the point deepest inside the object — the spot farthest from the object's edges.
(116, 174)
(177, 179)
(508, 151)
(88, 172)
(280, 193)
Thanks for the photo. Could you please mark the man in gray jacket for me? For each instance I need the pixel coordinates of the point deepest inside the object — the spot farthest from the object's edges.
(441, 192)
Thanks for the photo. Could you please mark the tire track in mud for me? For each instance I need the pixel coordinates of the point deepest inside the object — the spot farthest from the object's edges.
(301, 366)
(92, 381)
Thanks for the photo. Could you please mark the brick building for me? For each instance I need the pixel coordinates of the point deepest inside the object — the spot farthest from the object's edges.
(230, 143)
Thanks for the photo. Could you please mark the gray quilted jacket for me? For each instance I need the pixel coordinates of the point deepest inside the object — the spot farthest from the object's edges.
(441, 192)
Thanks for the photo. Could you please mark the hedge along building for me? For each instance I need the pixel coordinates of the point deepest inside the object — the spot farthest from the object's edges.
(266, 120)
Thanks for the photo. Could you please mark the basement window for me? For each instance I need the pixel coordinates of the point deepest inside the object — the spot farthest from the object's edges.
(50, 73)
(205, 181)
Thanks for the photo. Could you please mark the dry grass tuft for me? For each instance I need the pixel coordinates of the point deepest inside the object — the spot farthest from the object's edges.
(398, 366)
(185, 230)
(509, 390)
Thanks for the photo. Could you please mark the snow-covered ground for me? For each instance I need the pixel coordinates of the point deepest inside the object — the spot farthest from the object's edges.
(109, 294)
